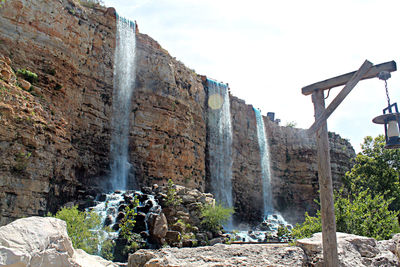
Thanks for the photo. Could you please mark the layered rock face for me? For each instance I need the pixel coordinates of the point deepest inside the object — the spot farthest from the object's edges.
(293, 162)
(168, 132)
(70, 48)
(56, 138)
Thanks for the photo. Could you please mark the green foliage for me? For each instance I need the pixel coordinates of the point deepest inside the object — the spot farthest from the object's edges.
(283, 233)
(214, 216)
(21, 161)
(107, 249)
(172, 197)
(291, 124)
(359, 214)
(376, 169)
(2, 2)
(128, 222)
(126, 228)
(310, 226)
(79, 224)
(28, 75)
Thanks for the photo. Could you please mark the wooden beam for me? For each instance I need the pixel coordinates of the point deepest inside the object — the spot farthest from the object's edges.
(329, 242)
(343, 79)
(365, 67)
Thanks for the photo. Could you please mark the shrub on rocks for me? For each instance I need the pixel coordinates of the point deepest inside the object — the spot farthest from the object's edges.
(214, 216)
(79, 224)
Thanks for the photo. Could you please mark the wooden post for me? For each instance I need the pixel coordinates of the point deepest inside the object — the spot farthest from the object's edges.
(366, 71)
(329, 242)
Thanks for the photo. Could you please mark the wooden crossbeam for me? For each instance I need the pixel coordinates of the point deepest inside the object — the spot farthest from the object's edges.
(343, 79)
(357, 76)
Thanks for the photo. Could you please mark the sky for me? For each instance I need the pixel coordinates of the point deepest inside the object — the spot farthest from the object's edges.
(268, 50)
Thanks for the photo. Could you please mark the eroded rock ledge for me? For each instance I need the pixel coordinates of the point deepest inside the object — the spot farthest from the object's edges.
(353, 251)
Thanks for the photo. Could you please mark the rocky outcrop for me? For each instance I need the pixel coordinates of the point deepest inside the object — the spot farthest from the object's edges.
(37, 241)
(293, 159)
(168, 133)
(54, 146)
(71, 49)
(60, 130)
(353, 251)
(221, 255)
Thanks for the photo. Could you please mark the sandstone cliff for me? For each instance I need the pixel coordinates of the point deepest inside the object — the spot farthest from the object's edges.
(294, 168)
(54, 140)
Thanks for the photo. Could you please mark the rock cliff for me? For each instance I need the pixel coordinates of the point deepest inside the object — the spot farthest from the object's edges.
(294, 168)
(56, 136)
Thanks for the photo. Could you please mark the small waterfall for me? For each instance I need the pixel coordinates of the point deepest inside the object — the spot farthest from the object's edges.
(220, 143)
(124, 84)
(265, 165)
(271, 217)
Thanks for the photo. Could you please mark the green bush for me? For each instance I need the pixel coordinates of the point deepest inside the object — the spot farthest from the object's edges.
(79, 224)
(28, 75)
(128, 222)
(107, 249)
(359, 214)
(127, 225)
(172, 197)
(214, 216)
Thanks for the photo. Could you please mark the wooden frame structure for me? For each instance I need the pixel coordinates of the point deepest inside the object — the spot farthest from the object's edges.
(319, 127)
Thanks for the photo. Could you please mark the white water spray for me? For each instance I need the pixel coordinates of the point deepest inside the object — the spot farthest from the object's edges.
(220, 143)
(124, 84)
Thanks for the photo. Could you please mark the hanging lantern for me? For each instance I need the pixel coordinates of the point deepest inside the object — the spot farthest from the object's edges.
(390, 118)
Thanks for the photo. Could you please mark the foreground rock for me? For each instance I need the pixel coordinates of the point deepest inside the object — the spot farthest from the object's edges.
(353, 251)
(38, 241)
(221, 255)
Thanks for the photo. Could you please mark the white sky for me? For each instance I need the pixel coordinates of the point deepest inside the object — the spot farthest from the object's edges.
(268, 50)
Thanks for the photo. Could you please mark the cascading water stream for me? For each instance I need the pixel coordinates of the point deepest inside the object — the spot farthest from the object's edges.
(272, 217)
(220, 143)
(265, 165)
(124, 84)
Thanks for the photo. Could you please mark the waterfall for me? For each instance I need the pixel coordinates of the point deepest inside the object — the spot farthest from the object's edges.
(220, 143)
(273, 218)
(265, 164)
(124, 84)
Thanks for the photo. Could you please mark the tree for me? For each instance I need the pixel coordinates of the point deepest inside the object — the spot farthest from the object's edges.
(359, 214)
(376, 169)
(79, 224)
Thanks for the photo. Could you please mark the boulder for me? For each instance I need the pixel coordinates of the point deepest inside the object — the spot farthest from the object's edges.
(353, 250)
(24, 84)
(38, 241)
(158, 227)
(173, 237)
